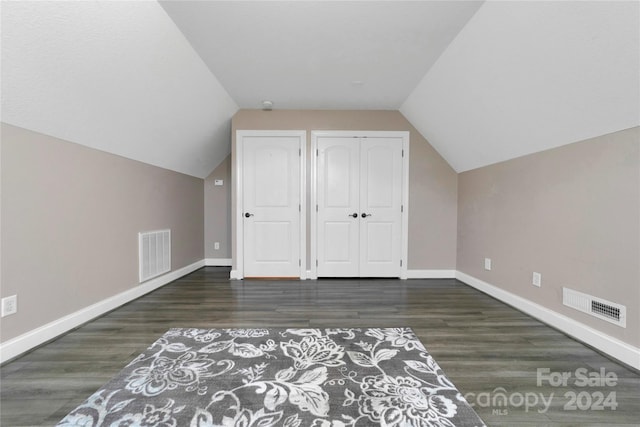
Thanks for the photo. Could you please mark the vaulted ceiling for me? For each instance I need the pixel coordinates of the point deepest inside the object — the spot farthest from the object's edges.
(320, 55)
(159, 82)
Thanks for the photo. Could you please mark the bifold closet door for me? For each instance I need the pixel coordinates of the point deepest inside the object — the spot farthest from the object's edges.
(271, 206)
(359, 195)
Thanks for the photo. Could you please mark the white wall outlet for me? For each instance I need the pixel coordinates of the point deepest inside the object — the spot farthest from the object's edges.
(216, 246)
(537, 279)
(9, 305)
(487, 263)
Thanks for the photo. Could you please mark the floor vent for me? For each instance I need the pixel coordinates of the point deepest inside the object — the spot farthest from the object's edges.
(598, 307)
(154, 248)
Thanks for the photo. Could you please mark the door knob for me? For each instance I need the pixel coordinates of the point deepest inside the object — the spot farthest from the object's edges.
(355, 215)
(247, 215)
(364, 215)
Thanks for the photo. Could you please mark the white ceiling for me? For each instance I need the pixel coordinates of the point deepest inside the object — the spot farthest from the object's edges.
(308, 54)
(115, 76)
(523, 77)
(159, 83)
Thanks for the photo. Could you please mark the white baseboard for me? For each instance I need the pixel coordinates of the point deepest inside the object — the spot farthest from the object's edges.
(235, 275)
(612, 346)
(29, 340)
(615, 348)
(217, 262)
(431, 274)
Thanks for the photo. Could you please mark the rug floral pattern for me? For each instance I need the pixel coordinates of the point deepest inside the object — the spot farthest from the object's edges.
(279, 377)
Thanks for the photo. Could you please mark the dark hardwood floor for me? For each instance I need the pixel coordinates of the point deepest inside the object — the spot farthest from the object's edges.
(485, 347)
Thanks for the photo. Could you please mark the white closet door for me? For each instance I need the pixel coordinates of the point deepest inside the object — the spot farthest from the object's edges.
(271, 206)
(359, 197)
(380, 207)
(338, 220)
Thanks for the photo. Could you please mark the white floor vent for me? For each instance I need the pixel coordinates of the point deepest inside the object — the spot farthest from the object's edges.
(598, 307)
(154, 253)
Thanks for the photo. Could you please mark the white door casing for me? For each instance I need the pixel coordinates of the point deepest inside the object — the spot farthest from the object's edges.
(271, 223)
(364, 173)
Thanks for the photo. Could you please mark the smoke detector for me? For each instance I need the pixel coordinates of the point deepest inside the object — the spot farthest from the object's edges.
(267, 105)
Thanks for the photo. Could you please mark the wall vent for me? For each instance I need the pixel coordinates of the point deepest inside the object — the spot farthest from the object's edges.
(597, 307)
(154, 249)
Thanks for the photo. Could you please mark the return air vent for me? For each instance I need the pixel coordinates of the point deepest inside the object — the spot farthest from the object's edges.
(154, 248)
(597, 307)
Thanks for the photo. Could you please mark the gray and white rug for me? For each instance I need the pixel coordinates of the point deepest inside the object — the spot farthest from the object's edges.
(279, 377)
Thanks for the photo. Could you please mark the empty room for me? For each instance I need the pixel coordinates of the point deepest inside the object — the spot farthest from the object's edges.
(320, 213)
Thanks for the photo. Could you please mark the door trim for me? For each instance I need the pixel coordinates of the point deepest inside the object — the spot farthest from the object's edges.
(313, 237)
(238, 273)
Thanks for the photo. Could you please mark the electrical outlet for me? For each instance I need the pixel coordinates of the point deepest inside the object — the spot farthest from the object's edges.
(9, 305)
(216, 246)
(487, 263)
(537, 279)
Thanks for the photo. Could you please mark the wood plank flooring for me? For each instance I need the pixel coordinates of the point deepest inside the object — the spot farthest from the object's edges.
(484, 346)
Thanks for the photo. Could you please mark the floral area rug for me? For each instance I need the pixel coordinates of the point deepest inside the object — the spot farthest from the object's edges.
(279, 377)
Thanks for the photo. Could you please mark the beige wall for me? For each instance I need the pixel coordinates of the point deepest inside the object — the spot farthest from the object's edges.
(432, 182)
(571, 214)
(70, 218)
(217, 212)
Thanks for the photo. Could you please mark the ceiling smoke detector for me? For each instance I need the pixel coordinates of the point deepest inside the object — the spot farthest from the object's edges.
(267, 105)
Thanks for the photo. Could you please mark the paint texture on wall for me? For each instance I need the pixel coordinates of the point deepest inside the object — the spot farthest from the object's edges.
(571, 214)
(217, 212)
(70, 222)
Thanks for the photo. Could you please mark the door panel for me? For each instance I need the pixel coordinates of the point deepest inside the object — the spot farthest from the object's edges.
(271, 176)
(378, 175)
(340, 175)
(378, 236)
(381, 201)
(338, 199)
(377, 257)
(337, 247)
(278, 234)
(271, 198)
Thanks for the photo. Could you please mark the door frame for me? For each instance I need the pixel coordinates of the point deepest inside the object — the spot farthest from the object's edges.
(238, 273)
(313, 202)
